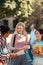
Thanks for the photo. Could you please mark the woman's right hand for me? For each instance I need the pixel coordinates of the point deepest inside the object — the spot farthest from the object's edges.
(13, 55)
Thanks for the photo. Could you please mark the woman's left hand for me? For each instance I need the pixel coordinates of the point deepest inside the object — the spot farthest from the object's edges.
(26, 47)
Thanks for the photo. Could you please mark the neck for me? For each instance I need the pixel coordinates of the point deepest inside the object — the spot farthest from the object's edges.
(39, 40)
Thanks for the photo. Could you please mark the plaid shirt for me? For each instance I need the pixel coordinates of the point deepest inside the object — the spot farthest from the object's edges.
(2, 42)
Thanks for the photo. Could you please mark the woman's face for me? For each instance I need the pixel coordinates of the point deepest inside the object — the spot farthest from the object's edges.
(20, 29)
(7, 34)
(38, 36)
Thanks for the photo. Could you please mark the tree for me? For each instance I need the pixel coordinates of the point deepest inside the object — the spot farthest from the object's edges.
(37, 15)
(16, 8)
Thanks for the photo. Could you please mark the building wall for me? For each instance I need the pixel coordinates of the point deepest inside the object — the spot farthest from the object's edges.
(11, 22)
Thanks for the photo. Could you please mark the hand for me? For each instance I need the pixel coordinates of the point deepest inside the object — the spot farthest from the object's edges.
(13, 55)
(41, 54)
(26, 47)
(35, 52)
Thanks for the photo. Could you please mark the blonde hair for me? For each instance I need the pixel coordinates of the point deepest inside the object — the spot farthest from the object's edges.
(23, 25)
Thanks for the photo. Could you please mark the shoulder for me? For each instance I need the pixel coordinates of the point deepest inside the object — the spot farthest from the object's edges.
(36, 42)
(13, 35)
(41, 43)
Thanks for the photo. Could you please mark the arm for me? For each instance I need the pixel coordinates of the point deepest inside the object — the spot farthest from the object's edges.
(27, 43)
(26, 47)
(10, 45)
(35, 52)
(41, 54)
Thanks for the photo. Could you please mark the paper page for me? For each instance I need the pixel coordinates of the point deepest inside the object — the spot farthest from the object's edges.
(20, 52)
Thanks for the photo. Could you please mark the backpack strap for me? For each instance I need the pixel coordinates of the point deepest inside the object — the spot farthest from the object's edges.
(14, 41)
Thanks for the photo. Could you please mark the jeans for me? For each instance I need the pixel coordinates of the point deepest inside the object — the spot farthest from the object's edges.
(11, 62)
(20, 60)
(28, 58)
(30, 53)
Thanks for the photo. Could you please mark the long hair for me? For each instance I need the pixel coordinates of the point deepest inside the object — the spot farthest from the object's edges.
(23, 25)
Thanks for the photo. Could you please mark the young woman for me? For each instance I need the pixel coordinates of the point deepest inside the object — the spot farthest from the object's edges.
(20, 43)
(4, 33)
(38, 48)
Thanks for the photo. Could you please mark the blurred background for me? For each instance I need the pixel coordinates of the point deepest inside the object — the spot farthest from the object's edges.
(27, 11)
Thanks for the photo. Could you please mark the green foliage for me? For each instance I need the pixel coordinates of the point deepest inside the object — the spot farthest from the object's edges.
(42, 3)
(16, 8)
(42, 6)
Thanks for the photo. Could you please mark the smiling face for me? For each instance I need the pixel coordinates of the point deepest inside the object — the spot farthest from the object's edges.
(6, 34)
(20, 29)
(38, 36)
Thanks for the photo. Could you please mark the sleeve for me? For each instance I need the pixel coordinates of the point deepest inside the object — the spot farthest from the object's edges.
(27, 39)
(11, 42)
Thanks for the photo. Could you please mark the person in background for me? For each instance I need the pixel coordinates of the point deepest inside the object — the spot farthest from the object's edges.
(32, 40)
(38, 54)
(20, 43)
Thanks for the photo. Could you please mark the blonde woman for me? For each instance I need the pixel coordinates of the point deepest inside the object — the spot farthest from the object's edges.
(20, 43)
